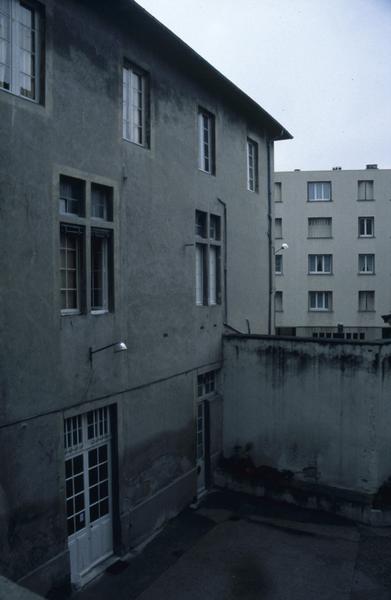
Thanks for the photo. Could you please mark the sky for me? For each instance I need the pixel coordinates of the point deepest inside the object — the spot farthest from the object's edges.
(322, 68)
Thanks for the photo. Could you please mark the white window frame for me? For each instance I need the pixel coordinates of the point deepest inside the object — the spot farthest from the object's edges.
(322, 301)
(134, 105)
(366, 301)
(365, 190)
(15, 59)
(319, 191)
(206, 141)
(208, 259)
(366, 264)
(318, 266)
(76, 233)
(252, 165)
(368, 224)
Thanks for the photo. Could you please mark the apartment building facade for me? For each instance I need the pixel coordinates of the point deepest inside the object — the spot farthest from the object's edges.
(334, 279)
(136, 186)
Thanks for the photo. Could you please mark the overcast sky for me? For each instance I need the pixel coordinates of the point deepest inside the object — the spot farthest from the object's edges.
(322, 68)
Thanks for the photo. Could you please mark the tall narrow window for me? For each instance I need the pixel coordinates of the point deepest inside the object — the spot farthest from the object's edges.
(366, 227)
(278, 228)
(278, 306)
(277, 192)
(71, 265)
(278, 264)
(135, 105)
(252, 165)
(208, 259)
(206, 140)
(365, 190)
(100, 262)
(20, 38)
(319, 191)
(101, 202)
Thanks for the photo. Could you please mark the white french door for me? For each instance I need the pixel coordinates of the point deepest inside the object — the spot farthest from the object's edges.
(87, 441)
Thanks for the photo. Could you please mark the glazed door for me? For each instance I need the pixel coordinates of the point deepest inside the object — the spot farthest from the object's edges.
(200, 447)
(88, 491)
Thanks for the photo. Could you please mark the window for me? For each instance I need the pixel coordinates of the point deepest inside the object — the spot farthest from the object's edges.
(320, 301)
(278, 302)
(71, 267)
(206, 383)
(320, 264)
(206, 136)
(135, 105)
(278, 264)
(319, 227)
(101, 202)
(366, 301)
(72, 196)
(208, 258)
(100, 261)
(319, 191)
(366, 264)
(365, 190)
(278, 228)
(365, 227)
(85, 286)
(20, 52)
(252, 165)
(277, 192)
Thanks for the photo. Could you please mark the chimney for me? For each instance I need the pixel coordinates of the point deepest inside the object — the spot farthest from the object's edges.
(371, 166)
(337, 168)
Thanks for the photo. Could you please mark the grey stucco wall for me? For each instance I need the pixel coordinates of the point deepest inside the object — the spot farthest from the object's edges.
(319, 409)
(46, 374)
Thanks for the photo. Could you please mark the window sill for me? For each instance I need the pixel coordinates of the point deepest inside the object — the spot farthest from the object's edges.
(206, 172)
(103, 311)
(70, 313)
(320, 310)
(323, 237)
(317, 201)
(365, 199)
(15, 95)
(361, 310)
(366, 273)
(365, 237)
(145, 146)
(314, 273)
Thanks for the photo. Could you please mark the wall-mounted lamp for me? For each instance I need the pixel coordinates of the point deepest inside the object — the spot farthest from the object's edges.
(117, 347)
(283, 247)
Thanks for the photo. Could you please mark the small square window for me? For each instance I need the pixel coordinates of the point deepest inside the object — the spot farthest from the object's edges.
(320, 301)
(366, 227)
(365, 190)
(206, 383)
(366, 301)
(72, 196)
(319, 191)
(366, 264)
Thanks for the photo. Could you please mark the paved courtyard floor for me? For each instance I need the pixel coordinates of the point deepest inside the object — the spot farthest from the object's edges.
(238, 547)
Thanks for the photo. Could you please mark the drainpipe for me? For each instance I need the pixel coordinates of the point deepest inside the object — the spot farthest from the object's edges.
(269, 235)
(225, 261)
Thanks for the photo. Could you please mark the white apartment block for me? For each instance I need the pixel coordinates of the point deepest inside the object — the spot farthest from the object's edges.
(334, 279)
